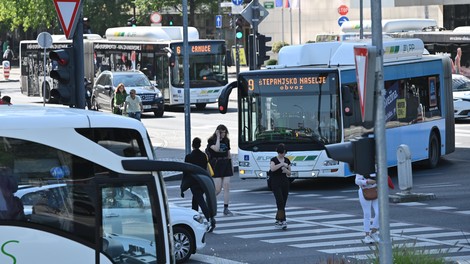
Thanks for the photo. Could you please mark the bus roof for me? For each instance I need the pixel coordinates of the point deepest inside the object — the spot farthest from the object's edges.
(150, 33)
(342, 53)
(390, 25)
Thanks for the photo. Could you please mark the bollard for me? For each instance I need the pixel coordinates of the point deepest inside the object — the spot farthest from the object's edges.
(6, 69)
(405, 179)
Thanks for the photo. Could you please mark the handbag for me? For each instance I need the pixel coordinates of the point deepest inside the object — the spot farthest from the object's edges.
(209, 167)
(370, 193)
(268, 179)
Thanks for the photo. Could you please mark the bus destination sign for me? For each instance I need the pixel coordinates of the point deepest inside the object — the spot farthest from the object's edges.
(290, 83)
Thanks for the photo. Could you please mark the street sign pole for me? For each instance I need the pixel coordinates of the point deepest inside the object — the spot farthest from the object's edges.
(385, 246)
(187, 105)
(79, 64)
(255, 23)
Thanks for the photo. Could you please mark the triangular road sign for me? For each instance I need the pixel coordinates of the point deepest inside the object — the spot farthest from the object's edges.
(360, 57)
(365, 59)
(67, 10)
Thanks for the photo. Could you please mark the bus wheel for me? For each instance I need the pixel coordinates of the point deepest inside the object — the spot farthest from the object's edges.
(434, 152)
(201, 106)
(184, 244)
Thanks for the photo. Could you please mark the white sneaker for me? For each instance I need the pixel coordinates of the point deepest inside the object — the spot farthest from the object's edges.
(284, 225)
(375, 237)
(278, 224)
(368, 240)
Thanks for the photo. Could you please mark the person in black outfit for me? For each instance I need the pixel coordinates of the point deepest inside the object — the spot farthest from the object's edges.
(199, 158)
(280, 167)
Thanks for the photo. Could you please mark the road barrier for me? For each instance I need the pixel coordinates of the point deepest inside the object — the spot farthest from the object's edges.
(6, 69)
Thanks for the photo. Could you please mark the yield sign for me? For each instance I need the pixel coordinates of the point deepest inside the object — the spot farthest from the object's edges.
(365, 59)
(67, 10)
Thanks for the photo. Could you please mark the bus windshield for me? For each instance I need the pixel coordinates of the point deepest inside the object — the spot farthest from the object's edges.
(206, 65)
(300, 109)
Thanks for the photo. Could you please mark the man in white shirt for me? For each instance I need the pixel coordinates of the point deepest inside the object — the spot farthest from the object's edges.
(133, 105)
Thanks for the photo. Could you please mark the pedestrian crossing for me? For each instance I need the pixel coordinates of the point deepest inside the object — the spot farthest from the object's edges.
(331, 232)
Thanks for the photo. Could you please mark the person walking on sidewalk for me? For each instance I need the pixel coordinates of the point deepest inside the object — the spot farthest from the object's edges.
(199, 158)
(280, 170)
(218, 151)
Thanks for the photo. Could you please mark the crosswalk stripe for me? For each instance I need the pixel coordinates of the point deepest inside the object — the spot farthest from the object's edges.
(254, 229)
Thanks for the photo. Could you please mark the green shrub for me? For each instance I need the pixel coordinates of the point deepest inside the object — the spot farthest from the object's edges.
(271, 62)
(404, 253)
(278, 45)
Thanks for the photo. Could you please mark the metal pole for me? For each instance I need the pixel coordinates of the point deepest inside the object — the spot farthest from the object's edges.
(187, 105)
(385, 246)
(44, 83)
(291, 33)
(361, 19)
(300, 24)
(218, 13)
(79, 63)
(255, 22)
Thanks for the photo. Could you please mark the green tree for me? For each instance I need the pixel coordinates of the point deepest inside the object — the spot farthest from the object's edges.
(27, 14)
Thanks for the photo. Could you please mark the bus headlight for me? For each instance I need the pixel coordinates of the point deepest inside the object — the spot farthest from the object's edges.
(330, 163)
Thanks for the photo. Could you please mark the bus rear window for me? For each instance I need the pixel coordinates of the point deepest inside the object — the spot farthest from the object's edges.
(121, 141)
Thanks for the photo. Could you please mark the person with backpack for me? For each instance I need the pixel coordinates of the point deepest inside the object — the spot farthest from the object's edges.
(199, 158)
(8, 55)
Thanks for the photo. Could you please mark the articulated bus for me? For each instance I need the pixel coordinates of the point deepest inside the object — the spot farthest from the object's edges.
(310, 99)
(156, 51)
(77, 188)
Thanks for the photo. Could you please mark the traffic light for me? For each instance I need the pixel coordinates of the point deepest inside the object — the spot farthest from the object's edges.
(359, 154)
(170, 20)
(63, 71)
(132, 22)
(263, 49)
(239, 28)
(251, 49)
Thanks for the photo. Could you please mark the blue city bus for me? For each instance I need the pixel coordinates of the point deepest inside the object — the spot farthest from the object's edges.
(310, 99)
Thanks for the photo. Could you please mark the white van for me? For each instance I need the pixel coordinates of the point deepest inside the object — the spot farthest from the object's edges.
(96, 156)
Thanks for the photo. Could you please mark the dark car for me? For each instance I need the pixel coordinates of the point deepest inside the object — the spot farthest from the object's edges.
(107, 81)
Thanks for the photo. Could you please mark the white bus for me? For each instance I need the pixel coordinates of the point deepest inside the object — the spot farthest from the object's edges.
(156, 51)
(311, 99)
(91, 172)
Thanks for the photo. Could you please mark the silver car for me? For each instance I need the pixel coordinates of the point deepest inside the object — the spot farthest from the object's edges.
(107, 81)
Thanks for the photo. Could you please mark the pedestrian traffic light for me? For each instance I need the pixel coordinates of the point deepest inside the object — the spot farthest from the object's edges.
(263, 49)
(239, 28)
(359, 154)
(63, 71)
(170, 20)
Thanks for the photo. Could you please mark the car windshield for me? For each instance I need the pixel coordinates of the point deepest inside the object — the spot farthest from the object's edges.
(461, 84)
(131, 80)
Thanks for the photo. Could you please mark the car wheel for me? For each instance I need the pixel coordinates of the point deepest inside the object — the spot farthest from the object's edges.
(201, 106)
(159, 113)
(184, 244)
(434, 152)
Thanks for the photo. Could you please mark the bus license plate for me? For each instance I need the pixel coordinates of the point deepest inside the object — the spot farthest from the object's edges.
(202, 100)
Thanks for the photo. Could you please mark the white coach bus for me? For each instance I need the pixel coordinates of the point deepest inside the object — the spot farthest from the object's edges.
(85, 164)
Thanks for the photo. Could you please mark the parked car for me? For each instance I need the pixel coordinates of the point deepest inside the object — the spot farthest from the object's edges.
(107, 81)
(121, 208)
(461, 93)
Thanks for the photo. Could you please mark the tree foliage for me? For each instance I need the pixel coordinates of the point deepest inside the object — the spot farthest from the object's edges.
(39, 15)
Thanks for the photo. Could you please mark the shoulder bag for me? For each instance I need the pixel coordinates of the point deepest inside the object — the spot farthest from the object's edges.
(370, 193)
(209, 167)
